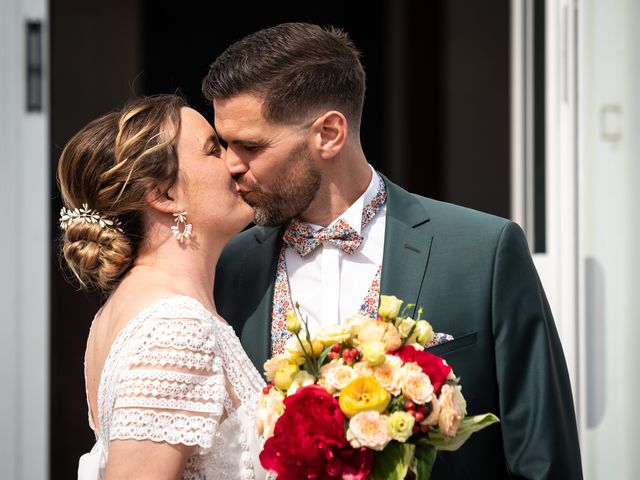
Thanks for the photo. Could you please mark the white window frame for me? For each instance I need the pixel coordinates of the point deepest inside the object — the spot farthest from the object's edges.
(558, 265)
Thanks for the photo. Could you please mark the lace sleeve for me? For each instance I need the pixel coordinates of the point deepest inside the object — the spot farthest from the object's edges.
(173, 389)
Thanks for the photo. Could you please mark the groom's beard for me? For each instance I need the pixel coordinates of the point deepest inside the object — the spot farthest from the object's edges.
(290, 195)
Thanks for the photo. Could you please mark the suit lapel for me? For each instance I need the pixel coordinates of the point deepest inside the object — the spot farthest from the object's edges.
(257, 281)
(407, 245)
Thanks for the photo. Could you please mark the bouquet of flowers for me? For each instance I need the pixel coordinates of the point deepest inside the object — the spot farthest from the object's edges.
(361, 400)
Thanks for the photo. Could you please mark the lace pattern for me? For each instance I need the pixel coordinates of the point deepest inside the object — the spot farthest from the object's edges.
(170, 375)
(167, 427)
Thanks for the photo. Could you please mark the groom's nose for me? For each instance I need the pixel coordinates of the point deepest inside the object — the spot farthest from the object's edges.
(234, 163)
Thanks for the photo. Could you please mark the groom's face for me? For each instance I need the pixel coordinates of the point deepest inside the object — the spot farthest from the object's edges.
(271, 163)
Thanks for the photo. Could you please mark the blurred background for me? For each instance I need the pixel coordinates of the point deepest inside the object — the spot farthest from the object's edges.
(526, 109)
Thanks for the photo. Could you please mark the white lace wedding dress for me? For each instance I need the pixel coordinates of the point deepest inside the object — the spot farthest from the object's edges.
(178, 374)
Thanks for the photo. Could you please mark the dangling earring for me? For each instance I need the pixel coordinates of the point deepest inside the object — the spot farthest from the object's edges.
(183, 233)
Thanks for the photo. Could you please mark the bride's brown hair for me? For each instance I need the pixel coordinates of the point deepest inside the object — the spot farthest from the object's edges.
(110, 165)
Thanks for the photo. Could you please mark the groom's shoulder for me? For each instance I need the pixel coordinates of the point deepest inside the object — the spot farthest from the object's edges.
(449, 216)
(458, 216)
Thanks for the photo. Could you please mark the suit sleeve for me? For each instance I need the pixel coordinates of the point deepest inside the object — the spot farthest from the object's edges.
(536, 406)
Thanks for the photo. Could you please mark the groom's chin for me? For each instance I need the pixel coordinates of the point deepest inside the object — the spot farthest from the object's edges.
(270, 218)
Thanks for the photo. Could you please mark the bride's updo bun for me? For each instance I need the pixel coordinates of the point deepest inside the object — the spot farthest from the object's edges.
(106, 169)
(97, 256)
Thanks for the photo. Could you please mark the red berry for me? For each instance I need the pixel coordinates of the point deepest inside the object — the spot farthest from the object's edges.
(354, 352)
(416, 429)
(336, 348)
(423, 410)
(266, 389)
(345, 354)
(419, 417)
(409, 405)
(332, 355)
(425, 428)
(349, 361)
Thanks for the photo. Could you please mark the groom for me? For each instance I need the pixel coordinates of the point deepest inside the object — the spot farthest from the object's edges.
(333, 234)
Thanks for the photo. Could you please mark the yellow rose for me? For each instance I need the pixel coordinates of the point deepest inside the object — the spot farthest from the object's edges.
(400, 426)
(316, 348)
(295, 350)
(424, 332)
(389, 306)
(302, 379)
(293, 322)
(284, 376)
(272, 365)
(332, 334)
(363, 393)
(405, 326)
(374, 353)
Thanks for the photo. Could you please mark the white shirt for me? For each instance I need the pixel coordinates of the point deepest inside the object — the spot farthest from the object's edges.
(329, 284)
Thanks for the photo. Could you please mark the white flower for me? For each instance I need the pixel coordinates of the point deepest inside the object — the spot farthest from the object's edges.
(390, 374)
(335, 375)
(270, 407)
(368, 429)
(453, 408)
(363, 369)
(377, 330)
(400, 425)
(434, 416)
(417, 388)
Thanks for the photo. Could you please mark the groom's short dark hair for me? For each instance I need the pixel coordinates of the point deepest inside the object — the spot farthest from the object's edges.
(298, 68)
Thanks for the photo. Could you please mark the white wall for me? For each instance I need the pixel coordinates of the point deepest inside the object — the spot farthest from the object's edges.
(24, 248)
(609, 165)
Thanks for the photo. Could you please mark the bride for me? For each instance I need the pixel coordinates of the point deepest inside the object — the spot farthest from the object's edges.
(149, 206)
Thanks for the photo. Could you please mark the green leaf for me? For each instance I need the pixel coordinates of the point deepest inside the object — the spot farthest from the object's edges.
(468, 426)
(323, 356)
(425, 457)
(393, 462)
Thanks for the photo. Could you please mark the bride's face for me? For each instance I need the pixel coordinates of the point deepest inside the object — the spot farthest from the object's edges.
(205, 188)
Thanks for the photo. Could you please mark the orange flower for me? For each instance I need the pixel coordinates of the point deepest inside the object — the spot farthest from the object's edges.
(363, 393)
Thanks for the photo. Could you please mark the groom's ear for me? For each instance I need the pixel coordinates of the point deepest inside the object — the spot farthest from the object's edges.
(329, 133)
(161, 200)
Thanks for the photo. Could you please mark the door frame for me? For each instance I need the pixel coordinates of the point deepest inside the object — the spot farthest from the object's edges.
(24, 277)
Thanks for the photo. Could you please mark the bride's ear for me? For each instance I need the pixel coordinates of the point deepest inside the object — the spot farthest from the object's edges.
(161, 200)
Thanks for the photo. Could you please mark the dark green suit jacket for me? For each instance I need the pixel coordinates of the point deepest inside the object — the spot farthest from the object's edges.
(475, 278)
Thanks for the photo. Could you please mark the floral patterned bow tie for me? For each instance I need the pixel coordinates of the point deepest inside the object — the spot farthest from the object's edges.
(304, 239)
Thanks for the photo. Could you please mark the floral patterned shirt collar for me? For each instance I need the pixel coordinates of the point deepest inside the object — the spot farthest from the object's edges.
(353, 214)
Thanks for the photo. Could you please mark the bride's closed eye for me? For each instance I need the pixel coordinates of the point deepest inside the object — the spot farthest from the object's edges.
(213, 146)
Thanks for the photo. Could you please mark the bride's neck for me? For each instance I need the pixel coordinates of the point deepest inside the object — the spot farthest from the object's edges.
(188, 268)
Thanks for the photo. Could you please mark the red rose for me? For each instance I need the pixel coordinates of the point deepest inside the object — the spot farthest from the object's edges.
(435, 367)
(309, 443)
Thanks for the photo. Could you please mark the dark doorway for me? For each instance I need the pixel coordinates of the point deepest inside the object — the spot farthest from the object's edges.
(436, 116)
